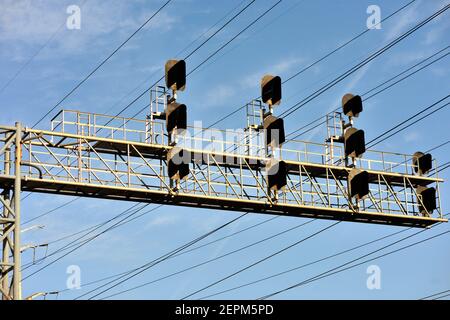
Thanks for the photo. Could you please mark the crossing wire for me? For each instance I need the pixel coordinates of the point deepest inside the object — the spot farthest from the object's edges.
(65, 204)
(434, 295)
(374, 141)
(233, 275)
(336, 270)
(251, 265)
(332, 271)
(377, 87)
(201, 36)
(355, 68)
(127, 272)
(164, 257)
(292, 77)
(181, 253)
(27, 63)
(190, 54)
(321, 59)
(223, 46)
(442, 144)
(324, 57)
(303, 265)
(243, 248)
(350, 71)
(213, 259)
(444, 296)
(121, 282)
(361, 64)
(186, 57)
(339, 253)
(94, 237)
(292, 245)
(203, 62)
(81, 241)
(102, 63)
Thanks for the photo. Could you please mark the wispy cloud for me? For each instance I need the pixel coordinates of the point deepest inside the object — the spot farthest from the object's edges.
(280, 68)
(28, 23)
(439, 30)
(219, 95)
(163, 220)
(412, 136)
(403, 21)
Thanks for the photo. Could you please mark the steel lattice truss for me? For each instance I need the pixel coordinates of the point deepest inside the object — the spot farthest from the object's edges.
(82, 157)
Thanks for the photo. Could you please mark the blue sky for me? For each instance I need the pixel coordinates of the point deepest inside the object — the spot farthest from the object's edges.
(290, 37)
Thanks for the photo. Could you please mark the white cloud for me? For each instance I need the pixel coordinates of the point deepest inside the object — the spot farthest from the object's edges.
(437, 32)
(219, 95)
(280, 68)
(355, 80)
(440, 71)
(163, 220)
(33, 23)
(411, 136)
(402, 22)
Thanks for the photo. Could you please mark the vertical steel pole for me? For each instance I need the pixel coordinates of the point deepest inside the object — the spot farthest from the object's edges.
(6, 249)
(17, 281)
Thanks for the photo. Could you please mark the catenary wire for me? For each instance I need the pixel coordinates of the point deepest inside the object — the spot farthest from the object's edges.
(79, 84)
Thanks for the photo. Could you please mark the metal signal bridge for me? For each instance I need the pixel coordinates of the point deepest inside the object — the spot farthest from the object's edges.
(251, 170)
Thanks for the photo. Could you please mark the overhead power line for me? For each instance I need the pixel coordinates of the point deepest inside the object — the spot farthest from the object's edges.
(439, 146)
(190, 44)
(346, 266)
(227, 254)
(262, 260)
(303, 265)
(204, 42)
(28, 62)
(143, 268)
(380, 85)
(441, 297)
(196, 49)
(324, 57)
(186, 57)
(339, 253)
(190, 54)
(317, 61)
(65, 204)
(396, 129)
(433, 296)
(383, 139)
(84, 243)
(127, 272)
(361, 64)
(205, 60)
(240, 249)
(101, 63)
(81, 241)
(204, 288)
(195, 248)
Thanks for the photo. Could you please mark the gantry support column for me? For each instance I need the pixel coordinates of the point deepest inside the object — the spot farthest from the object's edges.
(10, 279)
(17, 280)
(6, 227)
